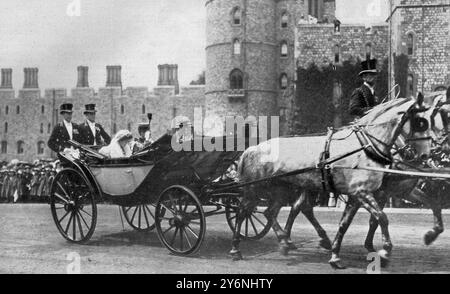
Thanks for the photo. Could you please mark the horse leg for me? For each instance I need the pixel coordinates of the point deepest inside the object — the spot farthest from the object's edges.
(295, 210)
(347, 217)
(373, 225)
(438, 228)
(370, 204)
(246, 206)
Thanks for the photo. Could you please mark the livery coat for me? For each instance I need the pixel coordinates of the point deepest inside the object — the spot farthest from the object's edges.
(59, 137)
(87, 137)
(362, 100)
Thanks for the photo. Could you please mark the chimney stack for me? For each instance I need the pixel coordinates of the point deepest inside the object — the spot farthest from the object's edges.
(83, 81)
(168, 76)
(114, 78)
(6, 78)
(31, 78)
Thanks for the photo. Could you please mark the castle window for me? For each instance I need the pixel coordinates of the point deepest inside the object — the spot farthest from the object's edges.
(122, 109)
(284, 49)
(40, 147)
(49, 128)
(410, 44)
(18, 109)
(337, 57)
(283, 81)
(236, 47)
(6, 109)
(284, 20)
(143, 109)
(42, 109)
(20, 146)
(368, 51)
(236, 14)
(114, 128)
(4, 147)
(236, 79)
(313, 8)
(129, 126)
(6, 127)
(410, 86)
(41, 129)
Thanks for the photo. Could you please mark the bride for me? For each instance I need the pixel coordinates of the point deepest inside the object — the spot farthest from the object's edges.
(119, 146)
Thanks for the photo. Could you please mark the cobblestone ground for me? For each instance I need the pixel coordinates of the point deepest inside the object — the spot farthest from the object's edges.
(30, 243)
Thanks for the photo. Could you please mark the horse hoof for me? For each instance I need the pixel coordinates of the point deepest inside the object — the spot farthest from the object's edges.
(236, 256)
(325, 243)
(284, 250)
(429, 238)
(370, 247)
(384, 258)
(291, 246)
(336, 264)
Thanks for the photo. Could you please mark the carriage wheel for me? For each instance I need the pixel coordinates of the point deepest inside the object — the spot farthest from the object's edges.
(73, 206)
(140, 217)
(180, 220)
(255, 225)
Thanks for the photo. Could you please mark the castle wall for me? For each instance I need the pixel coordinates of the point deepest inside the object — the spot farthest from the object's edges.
(26, 125)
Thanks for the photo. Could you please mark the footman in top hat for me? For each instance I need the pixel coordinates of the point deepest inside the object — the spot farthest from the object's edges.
(64, 131)
(363, 98)
(92, 132)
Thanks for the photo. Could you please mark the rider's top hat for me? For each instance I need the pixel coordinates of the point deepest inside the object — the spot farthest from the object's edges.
(66, 108)
(89, 108)
(143, 127)
(368, 66)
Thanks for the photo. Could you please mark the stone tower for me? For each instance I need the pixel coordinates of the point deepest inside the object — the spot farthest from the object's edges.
(420, 30)
(250, 60)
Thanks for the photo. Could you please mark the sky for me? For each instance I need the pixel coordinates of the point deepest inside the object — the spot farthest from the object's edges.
(58, 35)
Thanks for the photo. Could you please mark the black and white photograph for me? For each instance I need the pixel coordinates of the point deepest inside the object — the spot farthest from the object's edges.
(224, 137)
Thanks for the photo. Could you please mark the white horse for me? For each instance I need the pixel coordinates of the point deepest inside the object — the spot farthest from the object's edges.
(379, 129)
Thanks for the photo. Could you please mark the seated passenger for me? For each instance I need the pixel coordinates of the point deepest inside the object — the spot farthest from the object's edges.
(119, 146)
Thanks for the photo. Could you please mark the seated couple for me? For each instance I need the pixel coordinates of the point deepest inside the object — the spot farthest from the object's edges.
(120, 145)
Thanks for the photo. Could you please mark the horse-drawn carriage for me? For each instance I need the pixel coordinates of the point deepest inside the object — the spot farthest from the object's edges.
(157, 187)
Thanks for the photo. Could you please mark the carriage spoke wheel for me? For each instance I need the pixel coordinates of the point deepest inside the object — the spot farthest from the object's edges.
(140, 217)
(73, 206)
(255, 225)
(180, 220)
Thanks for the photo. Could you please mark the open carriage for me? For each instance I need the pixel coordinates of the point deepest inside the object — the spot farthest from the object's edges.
(157, 187)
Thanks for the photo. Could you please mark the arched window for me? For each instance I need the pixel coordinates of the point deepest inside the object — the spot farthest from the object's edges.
(49, 128)
(122, 109)
(410, 85)
(41, 129)
(284, 20)
(143, 109)
(236, 14)
(42, 109)
(236, 79)
(18, 109)
(236, 47)
(7, 109)
(40, 147)
(284, 49)
(283, 81)
(20, 147)
(410, 44)
(4, 147)
(337, 53)
(368, 51)
(6, 127)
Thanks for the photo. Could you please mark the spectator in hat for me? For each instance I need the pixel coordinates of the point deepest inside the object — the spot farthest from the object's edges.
(64, 131)
(92, 133)
(363, 98)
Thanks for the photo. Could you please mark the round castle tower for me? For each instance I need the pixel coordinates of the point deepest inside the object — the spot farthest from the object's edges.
(243, 56)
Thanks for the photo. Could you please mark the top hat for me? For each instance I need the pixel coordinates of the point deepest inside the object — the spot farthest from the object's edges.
(66, 108)
(89, 108)
(368, 66)
(143, 127)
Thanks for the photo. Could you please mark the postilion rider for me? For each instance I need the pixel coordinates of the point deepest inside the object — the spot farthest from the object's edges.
(364, 98)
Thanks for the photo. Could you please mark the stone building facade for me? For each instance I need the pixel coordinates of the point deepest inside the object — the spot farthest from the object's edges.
(420, 29)
(26, 120)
